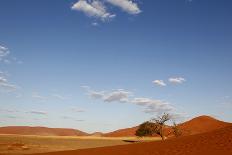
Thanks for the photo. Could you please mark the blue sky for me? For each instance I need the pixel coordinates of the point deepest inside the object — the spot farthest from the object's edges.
(109, 64)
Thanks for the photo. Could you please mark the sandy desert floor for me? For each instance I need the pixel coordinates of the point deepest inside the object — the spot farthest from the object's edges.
(16, 144)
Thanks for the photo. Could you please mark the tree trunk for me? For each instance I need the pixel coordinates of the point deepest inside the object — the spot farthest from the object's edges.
(161, 132)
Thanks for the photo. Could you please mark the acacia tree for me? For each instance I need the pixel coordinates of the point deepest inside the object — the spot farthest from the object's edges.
(154, 126)
(146, 129)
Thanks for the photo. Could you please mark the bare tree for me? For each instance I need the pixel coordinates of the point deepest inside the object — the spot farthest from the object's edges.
(160, 122)
(154, 126)
(176, 130)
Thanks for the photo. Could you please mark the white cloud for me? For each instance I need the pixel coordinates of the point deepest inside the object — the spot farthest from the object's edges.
(2, 48)
(129, 6)
(159, 82)
(179, 116)
(3, 80)
(38, 112)
(176, 80)
(94, 8)
(118, 95)
(8, 87)
(97, 95)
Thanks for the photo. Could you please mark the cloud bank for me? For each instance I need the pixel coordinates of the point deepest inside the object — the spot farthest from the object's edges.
(150, 106)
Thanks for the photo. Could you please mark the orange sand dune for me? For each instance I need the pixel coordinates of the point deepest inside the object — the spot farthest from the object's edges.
(201, 124)
(42, 131)
(197, 125)
(218, 142)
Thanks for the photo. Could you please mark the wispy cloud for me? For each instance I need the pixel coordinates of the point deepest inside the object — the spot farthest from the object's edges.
(129, 6)
(12, 117)
(226, 101)
(159, 82)
(3, 52)
(5, 56)
(36, 95)
(5, 85)
(8, 110)
(153, 106)
(78, 110)
(60, 97)
(38, 112)
(79, 120)
(93, 8)
(72, 118)
(95, 24)
(176, 80)
(56, 96)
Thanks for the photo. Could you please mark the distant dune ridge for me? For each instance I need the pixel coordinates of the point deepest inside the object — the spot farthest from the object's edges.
(196, 125)
(41, 131)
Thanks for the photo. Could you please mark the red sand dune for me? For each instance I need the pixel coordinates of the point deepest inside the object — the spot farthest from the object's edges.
(217, 142)
(197, 125)
(201, 124)
(43, 131)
